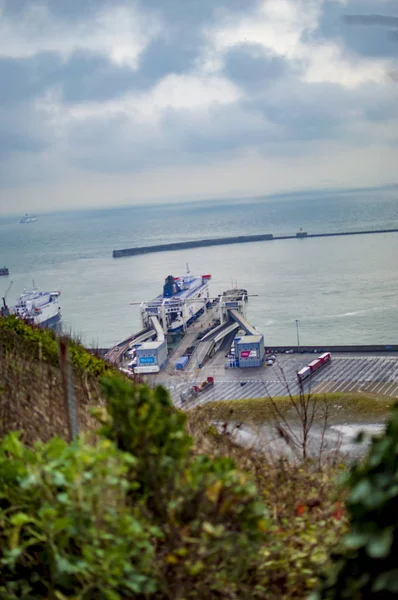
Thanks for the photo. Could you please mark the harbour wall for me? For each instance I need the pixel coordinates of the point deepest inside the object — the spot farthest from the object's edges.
(243, 239)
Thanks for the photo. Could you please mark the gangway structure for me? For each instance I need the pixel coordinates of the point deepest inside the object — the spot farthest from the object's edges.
(158, 328)
(242, 322)
(232, 316)
(115, 354)
(154, 331)
(209, 342)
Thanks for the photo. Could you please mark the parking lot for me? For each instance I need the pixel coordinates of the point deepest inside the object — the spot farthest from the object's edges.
(376, 374)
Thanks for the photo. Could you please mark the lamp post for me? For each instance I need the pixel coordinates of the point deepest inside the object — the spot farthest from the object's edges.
(298, 337)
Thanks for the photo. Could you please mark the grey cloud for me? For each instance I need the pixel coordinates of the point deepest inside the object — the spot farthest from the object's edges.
(17, 142)
(195, 13)
(16, 82)
(324, 111)
(117, 145)
(223, 130)
(68, 10)
(179, 138)
(86, 78)
(278, 113)
(366, 39)
(82, 78)
(249, 65)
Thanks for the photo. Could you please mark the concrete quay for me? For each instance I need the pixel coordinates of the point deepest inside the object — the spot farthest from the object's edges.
(375, 375)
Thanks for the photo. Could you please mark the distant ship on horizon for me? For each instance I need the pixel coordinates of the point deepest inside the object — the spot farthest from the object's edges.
(28, 219)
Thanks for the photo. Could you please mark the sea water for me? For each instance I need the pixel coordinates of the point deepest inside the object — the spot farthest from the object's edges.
(343, 290)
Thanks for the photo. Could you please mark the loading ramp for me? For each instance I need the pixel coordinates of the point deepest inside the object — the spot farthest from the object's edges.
(116, 353)
(243, 324)
(208, 342)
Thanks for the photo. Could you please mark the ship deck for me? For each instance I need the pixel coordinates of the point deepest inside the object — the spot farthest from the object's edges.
(194, 286)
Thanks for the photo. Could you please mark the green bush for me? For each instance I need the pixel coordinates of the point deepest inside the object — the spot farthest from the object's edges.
(41, 344)
(366, 565)
(135, 515)
(65, 528)
(144, 423)
(212, 524)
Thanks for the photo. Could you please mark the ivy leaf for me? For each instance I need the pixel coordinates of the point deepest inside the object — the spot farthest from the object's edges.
(387, 581)
(20, 519)
(213, 492)
(13, 445)
(379, 545)
(361, 491)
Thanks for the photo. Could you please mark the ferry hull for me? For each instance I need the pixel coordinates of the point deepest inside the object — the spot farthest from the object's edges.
(38, 308)
(51, 322)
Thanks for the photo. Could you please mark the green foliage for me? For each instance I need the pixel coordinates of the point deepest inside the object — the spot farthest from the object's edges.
(135, 515)
(366, 565)
(41, 344)
(65, 528)
(213, 529)
(144, 423)
(144, 512)
(212, 523)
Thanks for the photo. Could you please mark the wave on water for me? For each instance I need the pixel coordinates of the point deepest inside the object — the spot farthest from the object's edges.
(353, 313)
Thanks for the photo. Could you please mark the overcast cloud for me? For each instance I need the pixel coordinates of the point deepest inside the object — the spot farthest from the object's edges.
(107, 103)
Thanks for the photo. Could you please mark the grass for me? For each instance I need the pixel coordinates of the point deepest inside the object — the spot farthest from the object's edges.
(355, 407)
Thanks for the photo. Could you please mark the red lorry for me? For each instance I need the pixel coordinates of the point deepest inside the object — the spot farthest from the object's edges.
(204, 385)
(316, 364)
(193, 391)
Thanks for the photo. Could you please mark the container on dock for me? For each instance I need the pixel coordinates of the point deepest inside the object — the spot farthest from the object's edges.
(151, 357)
(315, 365)
(250, 351)
(182, 363)
(303, 373)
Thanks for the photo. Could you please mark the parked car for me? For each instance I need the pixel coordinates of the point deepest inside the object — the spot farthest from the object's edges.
(289, 351)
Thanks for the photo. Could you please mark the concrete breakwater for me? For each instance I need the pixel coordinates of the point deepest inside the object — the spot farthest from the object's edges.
(242, 239)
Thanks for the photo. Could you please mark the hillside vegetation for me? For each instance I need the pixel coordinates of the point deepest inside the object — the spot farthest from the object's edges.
(31, 394)
(151, 506)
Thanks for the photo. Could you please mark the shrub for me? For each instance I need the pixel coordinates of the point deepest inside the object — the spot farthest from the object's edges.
(41, 344)
(212, 523)
(144, 423)
(135, 515)
(65, 527)
(366, 564)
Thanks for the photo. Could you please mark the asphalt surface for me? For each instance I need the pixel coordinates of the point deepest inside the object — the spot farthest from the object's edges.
(376, 374)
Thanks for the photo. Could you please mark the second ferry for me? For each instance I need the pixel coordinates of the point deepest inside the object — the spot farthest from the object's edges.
(183, 300)
(36, 308)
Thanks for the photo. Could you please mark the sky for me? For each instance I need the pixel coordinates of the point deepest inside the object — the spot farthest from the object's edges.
(134, 101)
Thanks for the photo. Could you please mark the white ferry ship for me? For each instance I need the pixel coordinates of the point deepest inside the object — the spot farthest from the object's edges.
(28, 219)
(38, 308)
(183, 300)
